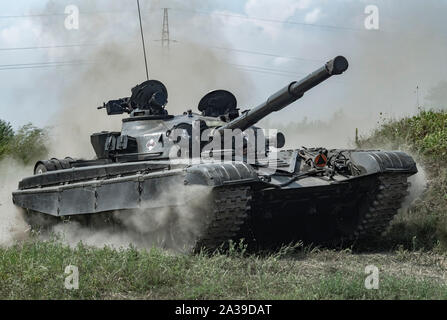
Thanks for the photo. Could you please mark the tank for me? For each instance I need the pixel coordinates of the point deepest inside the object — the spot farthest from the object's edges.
(255, 190)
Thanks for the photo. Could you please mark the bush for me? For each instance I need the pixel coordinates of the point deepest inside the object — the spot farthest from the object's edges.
(28, 144)
(424, 134)
(6, 135)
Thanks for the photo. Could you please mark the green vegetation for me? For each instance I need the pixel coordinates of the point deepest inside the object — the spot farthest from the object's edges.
(425, 135)
(6, 135)
(424, 224)
(35, 270)
(26, 145)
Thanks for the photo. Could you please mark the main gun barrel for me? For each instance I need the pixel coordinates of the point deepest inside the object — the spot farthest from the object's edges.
(288, 95)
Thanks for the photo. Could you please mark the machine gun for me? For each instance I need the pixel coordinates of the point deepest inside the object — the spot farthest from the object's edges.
(114, 107)
(147, 99)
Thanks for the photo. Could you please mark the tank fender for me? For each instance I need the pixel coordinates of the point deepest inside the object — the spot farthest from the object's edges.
(383, 161)
(218, 174)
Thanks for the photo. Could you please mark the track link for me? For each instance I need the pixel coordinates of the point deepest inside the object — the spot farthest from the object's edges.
(230, 211)
(383, 205)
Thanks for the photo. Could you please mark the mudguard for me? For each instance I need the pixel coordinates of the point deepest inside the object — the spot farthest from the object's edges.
(383, 161)
(218, 174)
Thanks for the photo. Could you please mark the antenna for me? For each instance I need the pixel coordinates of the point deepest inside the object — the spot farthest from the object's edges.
(142, 38)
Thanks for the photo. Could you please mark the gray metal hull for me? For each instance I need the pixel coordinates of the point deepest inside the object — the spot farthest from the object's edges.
(133, 191)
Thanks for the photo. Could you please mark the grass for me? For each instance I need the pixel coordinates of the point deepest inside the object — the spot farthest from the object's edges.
(35, 270)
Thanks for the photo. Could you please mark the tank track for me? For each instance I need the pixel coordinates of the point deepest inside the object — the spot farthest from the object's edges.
(383, 205)
(230, 211)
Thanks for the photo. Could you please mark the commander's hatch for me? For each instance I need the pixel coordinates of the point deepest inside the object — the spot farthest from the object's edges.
(219, 104)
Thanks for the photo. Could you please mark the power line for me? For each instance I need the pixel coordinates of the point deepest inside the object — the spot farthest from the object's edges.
(58, 14)
(267, 20)
(201, 12)
(127, 42)
(261, 68)
(265, 54)
(48, 47)
(61, 46)
(80, 62)
(43, 65)
(259, 53)
(248, 68)
(33, 65)
(39, 67)
(285, 75)
(32, 15)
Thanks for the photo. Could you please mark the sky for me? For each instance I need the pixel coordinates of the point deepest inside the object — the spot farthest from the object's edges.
(267, 43)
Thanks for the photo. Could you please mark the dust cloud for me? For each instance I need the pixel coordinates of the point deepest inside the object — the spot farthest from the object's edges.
(418, 185)
(175, 222)
(12, 227)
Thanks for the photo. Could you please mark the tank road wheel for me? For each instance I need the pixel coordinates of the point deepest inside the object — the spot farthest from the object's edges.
(40, 169)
